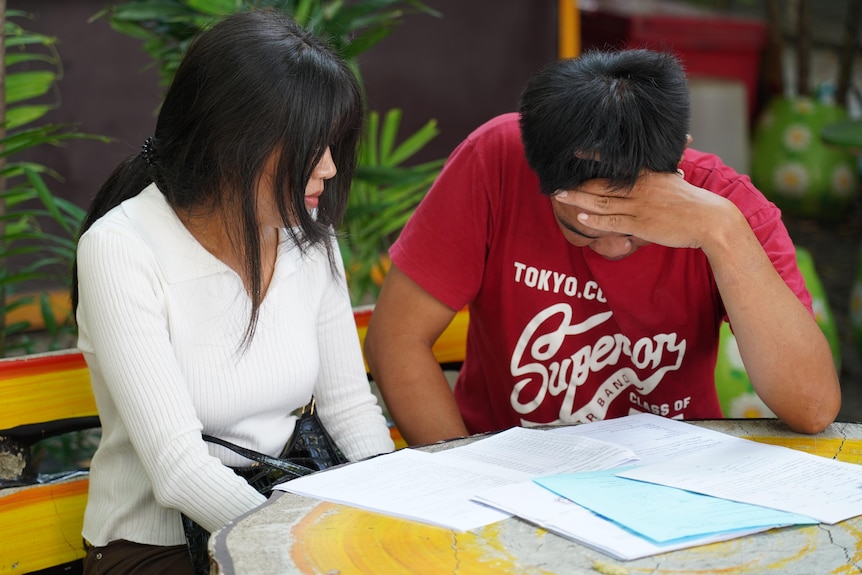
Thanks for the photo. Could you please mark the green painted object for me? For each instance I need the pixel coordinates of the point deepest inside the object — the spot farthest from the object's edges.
(846, 133)
(794, 167)
(735, 393)
(856, 306)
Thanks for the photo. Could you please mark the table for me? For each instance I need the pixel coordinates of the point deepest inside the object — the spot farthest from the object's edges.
(290, 534)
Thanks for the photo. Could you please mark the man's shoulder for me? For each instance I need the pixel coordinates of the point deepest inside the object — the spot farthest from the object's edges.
(504, 126)
(707, 171)
(701, 159)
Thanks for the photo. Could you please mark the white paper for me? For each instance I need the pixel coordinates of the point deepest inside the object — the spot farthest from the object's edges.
(767, 475)
(409, 484)
(538, 453)
(559, 515)
(651, 437)
(661, 513)
(437, 488)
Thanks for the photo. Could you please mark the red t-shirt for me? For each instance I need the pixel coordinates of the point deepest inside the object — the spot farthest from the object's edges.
(558, 333)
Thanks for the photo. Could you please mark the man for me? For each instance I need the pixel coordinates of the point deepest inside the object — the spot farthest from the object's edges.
(598, 257)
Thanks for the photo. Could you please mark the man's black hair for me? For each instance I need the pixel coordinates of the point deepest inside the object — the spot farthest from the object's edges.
(605, 115)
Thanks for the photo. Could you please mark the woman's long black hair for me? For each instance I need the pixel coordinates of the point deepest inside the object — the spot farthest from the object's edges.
(254, 84)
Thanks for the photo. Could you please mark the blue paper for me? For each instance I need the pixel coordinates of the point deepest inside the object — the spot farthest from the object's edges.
(660, 513)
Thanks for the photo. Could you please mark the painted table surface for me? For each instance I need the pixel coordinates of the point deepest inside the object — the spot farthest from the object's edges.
(292, 534)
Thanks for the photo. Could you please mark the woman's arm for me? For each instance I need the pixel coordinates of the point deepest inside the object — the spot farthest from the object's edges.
(346, 405)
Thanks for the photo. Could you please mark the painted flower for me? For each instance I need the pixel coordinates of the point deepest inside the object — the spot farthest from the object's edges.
(821, 312)
(843, 181)
(803, 105)
(731, 352)
(767, 118)
(797, 137)
(749, 405)
(792, 179)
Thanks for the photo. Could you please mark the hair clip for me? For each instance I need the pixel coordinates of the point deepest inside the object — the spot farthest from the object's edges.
(148, 150)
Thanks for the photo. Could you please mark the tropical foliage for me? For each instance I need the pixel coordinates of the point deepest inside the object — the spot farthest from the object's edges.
(385, 191)
(31, 253)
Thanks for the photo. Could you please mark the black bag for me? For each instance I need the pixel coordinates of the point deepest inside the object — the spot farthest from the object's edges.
(310, 449)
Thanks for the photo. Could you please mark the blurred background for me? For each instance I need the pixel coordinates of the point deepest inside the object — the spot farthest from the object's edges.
(775, 91)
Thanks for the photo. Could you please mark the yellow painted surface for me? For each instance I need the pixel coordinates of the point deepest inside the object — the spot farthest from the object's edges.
(40, 526)
(44, 388)
(568, 29)
(847, 450)
(347, 541)
(856, 559)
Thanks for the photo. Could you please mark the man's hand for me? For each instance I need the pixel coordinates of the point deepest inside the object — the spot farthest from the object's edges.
(662, 208)
(784, 351)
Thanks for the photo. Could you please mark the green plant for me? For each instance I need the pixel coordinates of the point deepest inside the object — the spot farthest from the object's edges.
(167, 26)
(28, 208)
(382, 198)
(385, 191)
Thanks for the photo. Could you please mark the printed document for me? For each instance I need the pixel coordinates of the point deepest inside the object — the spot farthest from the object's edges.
(437, 488)
(542, 507)
(651, 437)
(476, 484)
(768, 475)
(660, 513)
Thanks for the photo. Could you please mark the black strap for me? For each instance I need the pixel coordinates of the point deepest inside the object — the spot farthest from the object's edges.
(283, 465)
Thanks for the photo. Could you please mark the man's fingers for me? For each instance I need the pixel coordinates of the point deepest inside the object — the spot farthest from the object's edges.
(601, 203)
(607, 222)
(586, 200)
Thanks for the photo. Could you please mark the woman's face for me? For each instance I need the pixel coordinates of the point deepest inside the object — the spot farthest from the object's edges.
(324, 170)
(268, 211)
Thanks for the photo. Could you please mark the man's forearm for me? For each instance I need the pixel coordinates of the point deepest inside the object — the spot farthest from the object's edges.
(784, 351)
(420, 401)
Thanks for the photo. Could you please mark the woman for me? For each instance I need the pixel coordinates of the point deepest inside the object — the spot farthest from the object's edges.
(209, 291)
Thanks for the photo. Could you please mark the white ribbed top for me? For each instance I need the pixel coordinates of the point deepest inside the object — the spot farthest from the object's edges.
(160, 322)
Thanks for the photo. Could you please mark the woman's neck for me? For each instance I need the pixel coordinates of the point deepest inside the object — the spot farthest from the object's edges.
(211, 230)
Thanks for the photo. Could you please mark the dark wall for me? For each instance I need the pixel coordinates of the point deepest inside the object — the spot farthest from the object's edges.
(460, 69)
(463, 68)
(105, 89)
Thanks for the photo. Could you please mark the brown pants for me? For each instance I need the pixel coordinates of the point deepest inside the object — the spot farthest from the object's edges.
(127, 558)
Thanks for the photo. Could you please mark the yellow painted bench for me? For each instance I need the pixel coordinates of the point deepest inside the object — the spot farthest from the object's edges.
(450, 349)
(48, 394)
(40, 523)
(44, 395)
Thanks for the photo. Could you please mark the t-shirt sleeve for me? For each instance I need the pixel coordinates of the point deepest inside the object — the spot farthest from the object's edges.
(707, 171)
(444, 245)
(776, 241)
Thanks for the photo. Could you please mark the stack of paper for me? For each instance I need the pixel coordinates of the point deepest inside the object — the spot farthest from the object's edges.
(630, 487)
(535, 504)
(437, 488)
(663, 514)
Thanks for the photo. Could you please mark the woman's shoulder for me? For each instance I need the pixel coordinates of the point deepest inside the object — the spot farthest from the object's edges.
(135, 212)
(146, 216)
(142, 226)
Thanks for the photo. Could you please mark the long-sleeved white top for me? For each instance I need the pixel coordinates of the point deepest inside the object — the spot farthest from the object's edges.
(160, 324)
